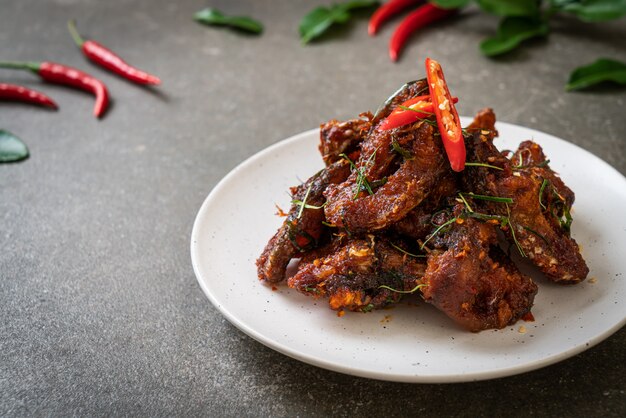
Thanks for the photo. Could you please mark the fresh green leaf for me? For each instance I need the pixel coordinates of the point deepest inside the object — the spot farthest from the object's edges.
(512, 32)
(602, 70)
(211, 16)
(510, 7)
(316, 22)
(450, 4)
(11, 148)
(593, 10)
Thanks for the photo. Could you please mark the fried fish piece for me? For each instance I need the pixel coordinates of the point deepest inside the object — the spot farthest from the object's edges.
(358, 274)
(539, 215)
(303, 227)
(337, 138)
(402, 189)
(472, 281)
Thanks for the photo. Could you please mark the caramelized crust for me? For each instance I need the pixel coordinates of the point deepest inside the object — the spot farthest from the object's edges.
(541, 204)
(338, 138)
(303, 229)
(403, 189)
(472, 281)
(388, 217)
(351, 271)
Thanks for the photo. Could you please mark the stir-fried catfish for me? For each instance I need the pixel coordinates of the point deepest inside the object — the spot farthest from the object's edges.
(387, 216)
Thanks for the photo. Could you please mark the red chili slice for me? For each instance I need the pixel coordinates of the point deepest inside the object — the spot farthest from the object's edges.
(420, 107)
(447, 117)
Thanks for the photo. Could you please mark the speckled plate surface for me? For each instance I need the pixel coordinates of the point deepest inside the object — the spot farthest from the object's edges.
(411, 342)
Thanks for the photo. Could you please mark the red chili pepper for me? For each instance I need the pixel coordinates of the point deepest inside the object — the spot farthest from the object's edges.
(24, 94)
(106, 58)
(386, 11)
(420, 107)
(62, 74)
(423, 16)
(447, 117)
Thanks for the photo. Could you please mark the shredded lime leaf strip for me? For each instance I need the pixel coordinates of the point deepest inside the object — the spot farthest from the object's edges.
(361, 180)
(368, 307)
(511, 33)
(303, 205)
(505, 221)
(467, 205)
(529, 229)
(597, 72)
(415, 289)
(508, 220)
(487, 217)
(210, 16)
(437, 231)
(544, 183)
(483, 165)
(489, 198)
(12, 148)
(311, 289)
(404, 153)
(415, 110)
(406, 252)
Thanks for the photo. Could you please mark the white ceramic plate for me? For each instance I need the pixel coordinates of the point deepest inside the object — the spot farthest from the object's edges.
(411, 342)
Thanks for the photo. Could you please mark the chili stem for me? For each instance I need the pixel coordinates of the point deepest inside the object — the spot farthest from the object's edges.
(32, 66)
(71, 26)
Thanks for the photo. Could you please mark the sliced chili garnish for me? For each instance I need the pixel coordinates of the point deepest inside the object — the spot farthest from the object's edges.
(386, 11)
(447, 117)
(410, 111)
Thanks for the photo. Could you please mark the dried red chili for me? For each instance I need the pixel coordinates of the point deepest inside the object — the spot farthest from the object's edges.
(386, 11)
(410, 111)
(106, 58)
(447, 117)
(423, 16)
(24, 94)
(62, 74)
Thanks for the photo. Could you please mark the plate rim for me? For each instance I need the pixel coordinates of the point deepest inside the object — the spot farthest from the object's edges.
(337, 367)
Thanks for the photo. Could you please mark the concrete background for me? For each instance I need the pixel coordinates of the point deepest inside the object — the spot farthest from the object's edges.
(100, 312)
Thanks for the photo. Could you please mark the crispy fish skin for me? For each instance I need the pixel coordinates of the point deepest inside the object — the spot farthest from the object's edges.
(337, 137)
(351, 272)
(303, 228)
(472, 281)
(357, 248)
(403, 190)
(537, 229)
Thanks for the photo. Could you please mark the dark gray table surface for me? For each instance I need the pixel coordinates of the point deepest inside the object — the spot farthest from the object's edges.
(100, 312)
